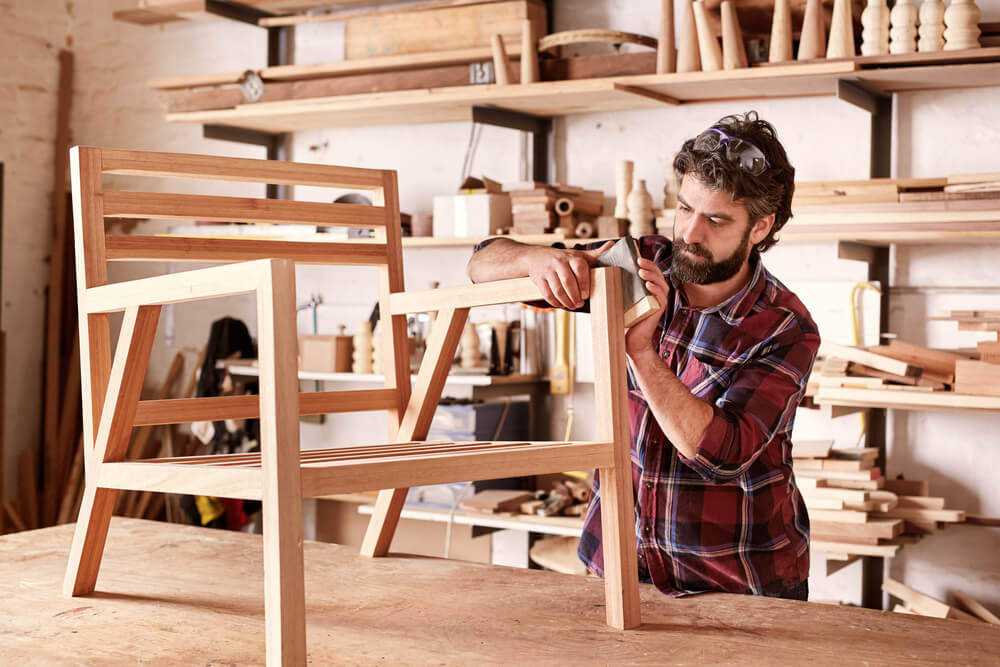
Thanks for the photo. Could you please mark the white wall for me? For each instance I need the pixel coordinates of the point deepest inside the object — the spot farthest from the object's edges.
(938, 133)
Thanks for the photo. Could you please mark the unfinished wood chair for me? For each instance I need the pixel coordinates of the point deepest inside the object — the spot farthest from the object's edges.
(280, 475)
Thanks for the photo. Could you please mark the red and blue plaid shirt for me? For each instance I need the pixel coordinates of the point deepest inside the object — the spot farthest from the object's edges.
(731, 518)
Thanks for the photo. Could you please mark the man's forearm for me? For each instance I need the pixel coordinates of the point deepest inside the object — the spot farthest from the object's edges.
(682, 416)
(500, 260)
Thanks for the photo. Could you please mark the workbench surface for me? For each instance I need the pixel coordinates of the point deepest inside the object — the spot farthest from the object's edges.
(171, 594)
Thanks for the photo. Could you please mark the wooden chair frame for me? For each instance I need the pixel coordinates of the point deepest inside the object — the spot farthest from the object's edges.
(280, 475)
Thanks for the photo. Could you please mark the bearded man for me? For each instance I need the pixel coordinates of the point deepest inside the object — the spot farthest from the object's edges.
(714, 376)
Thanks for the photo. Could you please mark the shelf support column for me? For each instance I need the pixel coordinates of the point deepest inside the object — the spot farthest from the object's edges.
(539, 127)
(879, 105)
(877, 258)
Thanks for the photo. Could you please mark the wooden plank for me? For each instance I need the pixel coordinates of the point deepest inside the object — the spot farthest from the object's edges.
(167, 206)
(921, 502)
(296, 19)
(195, 80)
(183, 411)
(445, 28)
(862, 475)
(182, 165)
(52, 463)
(922, 514)
(915, 600)
(466, 296)
(839, 516)
(870, 359)
(907, 487)
(356, 475)
(207, 283)
(878, 550)
(284, 582)
(844, 531)
(976, 608)
(941, 362)
(937, 400)
(117, 417)
(121, 247)
(229, 482)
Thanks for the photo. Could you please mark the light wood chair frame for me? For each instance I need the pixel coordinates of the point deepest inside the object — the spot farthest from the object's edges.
(280, 475)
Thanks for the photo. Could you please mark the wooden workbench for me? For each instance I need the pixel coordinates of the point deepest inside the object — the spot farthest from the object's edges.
(170, 594)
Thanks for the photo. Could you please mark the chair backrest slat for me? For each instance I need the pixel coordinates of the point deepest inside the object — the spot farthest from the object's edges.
(122, 204)
(179, 165)
(121, 247)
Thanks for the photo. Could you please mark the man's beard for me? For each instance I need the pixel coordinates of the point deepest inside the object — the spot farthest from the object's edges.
(709, 271)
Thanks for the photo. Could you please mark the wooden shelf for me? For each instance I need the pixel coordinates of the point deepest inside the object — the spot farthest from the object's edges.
(906, 400)
(648, 91)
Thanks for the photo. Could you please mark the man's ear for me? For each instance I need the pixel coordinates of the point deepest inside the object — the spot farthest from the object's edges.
(761, 229)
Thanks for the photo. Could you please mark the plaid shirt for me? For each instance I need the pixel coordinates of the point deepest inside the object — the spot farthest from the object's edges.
(731, 518)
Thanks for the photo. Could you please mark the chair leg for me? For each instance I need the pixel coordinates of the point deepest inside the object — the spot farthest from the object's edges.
(89, 538)
(382, 525)
(284, 571)
(621, 571)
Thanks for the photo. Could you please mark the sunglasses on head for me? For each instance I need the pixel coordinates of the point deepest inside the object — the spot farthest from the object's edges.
(750, 158)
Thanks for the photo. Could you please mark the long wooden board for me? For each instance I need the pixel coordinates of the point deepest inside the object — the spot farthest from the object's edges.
(403, 610)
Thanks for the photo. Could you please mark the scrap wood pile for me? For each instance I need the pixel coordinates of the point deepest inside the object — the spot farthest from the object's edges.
(854, 510)
(980, 376)
(899, 365)
(567, 497)
(540, 208)
(915, 602)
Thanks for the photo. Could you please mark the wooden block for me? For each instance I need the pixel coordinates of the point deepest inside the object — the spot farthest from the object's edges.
(977, 377)
(497, 500)
(440, 29)
(325, 353)
(854, 453)
(940, 362)
(811, 448)
(879, 550)
(839, 516)
(845, 465)
(639, 303)
(873, 528)
(922, 604)
(989, 351)
(921, 502)
(867, 484)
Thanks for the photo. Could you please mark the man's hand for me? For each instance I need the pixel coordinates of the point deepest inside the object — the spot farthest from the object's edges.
(563, 276)
(639, 339)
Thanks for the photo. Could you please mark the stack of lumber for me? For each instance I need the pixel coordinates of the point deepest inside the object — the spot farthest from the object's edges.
(899, 365)
(895, 190)
(538, 208)
(982, 376)
(854, 510)
(915, 602)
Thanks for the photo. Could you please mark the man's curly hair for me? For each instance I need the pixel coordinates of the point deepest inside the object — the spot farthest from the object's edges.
(771, 192)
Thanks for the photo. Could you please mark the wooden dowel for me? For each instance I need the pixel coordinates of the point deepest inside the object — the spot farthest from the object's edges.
(529, 52)
(666, 52)
(501, 64)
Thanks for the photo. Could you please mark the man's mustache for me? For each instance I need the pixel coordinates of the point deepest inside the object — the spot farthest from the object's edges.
(693, 249)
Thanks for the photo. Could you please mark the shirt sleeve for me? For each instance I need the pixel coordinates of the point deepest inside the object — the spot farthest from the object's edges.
(755, 407)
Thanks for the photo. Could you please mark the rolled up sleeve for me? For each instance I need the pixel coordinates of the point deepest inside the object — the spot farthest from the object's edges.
(756, 407)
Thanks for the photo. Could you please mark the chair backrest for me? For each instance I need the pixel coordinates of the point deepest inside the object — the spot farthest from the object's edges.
(94, 205)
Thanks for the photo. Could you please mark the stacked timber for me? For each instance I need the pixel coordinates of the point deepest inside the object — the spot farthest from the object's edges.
(539, 208)
(899, 365)
(895, 190)
(854, 510)
(982, 376)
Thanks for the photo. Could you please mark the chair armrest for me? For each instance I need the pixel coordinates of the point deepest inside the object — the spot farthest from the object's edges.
(466, 296)
(215, 281)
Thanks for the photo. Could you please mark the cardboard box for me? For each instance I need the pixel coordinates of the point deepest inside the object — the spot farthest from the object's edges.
(325, 353)
(471, 215)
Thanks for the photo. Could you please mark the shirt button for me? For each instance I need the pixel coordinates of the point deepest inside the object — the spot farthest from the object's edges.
(646, 529)
(649, 485)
